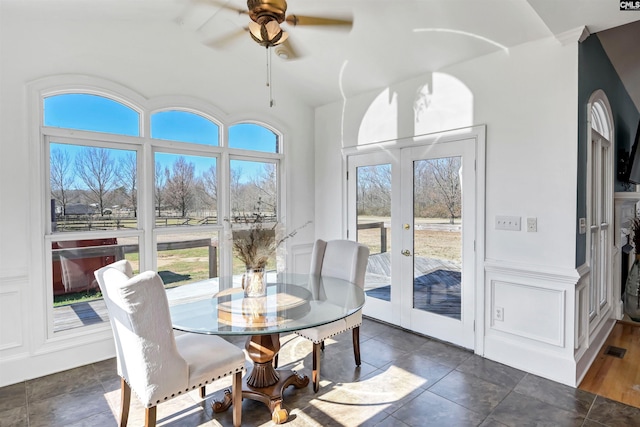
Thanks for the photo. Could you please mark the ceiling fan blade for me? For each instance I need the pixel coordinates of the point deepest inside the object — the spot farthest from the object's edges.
(225, 40)
(316, 20)
(223, 5)
(196, 13)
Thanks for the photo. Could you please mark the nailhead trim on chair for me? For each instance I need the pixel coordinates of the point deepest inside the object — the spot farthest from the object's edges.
(180, 392)
(332, 335)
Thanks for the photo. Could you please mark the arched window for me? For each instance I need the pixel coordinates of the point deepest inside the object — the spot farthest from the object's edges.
(600, 169)
(184, 126)
(112, 190)
(90, 112)
(600, 119)
(251, 136)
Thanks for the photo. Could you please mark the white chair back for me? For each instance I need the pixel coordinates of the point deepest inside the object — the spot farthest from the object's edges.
(344, 259)
(148, 358)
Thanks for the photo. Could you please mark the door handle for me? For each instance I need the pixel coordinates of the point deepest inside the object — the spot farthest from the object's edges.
(406, 252)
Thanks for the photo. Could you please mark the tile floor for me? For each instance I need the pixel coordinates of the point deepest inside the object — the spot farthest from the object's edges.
(404, 380)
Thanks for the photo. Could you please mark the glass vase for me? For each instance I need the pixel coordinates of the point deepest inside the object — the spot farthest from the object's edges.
(254, 282)
(632, 292)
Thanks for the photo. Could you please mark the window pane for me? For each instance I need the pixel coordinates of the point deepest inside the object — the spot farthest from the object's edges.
(595, 272)
(186, 190)
(175, 125)
(91, 113)
(77, 300)
(253, 190)
(92, 188)
(185, 258)
(245, 230)
(249, 136)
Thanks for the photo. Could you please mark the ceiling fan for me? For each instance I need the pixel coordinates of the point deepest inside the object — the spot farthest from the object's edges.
(266, 17)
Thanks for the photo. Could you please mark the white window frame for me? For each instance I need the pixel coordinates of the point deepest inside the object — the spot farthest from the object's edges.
(41, 234)
(600, 239)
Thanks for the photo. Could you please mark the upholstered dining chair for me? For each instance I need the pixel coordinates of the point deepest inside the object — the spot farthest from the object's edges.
(347, 260)
(151, 360)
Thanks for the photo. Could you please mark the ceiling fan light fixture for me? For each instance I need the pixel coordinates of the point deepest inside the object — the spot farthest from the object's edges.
(283, 52)
(267, 34)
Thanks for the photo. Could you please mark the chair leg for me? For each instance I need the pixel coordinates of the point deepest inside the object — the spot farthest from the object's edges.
(236, 390)
(356, 344)
(203, 392)
(150, 417)
(316, 367)
(125, 401)
(322, 346)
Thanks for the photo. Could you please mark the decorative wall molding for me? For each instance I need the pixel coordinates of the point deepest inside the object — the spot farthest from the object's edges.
(11, 319)
(586, 357)
(10, 276)
(301, 257)
(583, 271)
(549, 364)
(536, 333)
(545, 273)
(25, 366)
(523, 304)
(581, 308)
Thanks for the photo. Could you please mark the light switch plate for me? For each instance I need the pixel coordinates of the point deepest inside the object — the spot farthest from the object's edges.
(511, 223)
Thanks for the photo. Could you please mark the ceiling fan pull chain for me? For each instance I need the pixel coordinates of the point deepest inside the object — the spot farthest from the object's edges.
(269, 77)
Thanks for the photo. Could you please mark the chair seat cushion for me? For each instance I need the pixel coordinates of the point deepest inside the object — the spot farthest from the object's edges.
(354, 319)
(322, 332)
(209, 357)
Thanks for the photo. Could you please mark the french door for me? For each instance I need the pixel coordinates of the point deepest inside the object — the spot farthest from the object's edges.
(415, 208)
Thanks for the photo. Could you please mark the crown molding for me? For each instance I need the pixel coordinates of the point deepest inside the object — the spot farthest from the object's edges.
(578, 35)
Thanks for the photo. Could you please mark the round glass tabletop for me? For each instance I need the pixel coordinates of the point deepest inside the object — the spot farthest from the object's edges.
(292, 302)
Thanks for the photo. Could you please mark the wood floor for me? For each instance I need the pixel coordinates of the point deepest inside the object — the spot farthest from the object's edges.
(615, 377)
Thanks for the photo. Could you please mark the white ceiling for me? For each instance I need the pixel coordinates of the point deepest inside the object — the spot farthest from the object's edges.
(390, 41)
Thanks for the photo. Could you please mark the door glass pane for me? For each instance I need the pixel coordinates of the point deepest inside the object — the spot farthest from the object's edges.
(437, 241)
(373, 213)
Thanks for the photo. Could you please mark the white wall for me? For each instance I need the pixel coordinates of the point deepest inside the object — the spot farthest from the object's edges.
(151, 61)
(527, 98)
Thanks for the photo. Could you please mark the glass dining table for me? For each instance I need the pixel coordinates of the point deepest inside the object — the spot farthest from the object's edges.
(292, 302)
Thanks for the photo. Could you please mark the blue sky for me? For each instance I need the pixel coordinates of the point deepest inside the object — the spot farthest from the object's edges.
(99, 114)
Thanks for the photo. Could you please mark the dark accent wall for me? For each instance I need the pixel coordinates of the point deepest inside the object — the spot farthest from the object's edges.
(595, 71)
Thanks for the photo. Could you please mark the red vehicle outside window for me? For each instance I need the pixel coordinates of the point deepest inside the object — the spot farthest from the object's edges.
(74, 262)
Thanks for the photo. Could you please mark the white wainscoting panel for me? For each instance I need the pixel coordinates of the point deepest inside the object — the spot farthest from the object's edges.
(537, 330)
(528, 311)
(301, 258)
(11, 313)
(581, 326)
